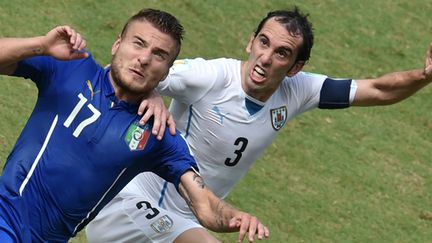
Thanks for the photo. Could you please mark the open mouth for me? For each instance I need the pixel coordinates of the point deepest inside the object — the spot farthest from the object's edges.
(258, 74)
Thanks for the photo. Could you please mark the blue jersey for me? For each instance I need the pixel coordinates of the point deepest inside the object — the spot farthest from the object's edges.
(79, 148)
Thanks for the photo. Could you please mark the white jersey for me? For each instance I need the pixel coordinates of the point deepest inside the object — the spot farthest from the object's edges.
(226, 129)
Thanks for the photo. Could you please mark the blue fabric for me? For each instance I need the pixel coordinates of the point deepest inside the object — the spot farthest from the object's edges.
(252, 107)
(335, 94)
(85, 162)
(7, 234)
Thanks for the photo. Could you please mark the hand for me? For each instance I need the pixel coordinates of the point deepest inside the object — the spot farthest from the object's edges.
(249, 223)
(428, 63)
(64, 43)
(155, 106)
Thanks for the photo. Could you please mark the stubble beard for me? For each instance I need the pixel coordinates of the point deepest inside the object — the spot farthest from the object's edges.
(126, 88)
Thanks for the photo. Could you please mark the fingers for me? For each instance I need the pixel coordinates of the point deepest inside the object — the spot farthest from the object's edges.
(428, 62)
(148, 112)
(78, 43)
(156, 108)
(251, 226)
(141, 110)
(241, 224)
(171, 125)
(159, 124)
(65, 43)
(263, 232)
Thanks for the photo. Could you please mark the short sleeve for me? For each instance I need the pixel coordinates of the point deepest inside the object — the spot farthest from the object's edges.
(189, 80)
(175, 158)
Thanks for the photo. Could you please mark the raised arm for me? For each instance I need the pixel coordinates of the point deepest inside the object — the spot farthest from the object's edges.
(215, 214)
(393, 87)
(62, 42)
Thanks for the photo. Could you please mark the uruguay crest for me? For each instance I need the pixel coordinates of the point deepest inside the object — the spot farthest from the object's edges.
(163, 224)
(137, 136)
(278, 117)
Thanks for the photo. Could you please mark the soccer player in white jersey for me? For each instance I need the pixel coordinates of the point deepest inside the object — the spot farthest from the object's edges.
(230, 111)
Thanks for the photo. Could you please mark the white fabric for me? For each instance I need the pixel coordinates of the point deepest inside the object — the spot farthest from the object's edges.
(122, 221)
(209, 109)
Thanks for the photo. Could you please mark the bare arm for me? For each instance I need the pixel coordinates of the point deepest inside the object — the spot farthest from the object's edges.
(62, 42)
(215, 214)
(393, 87)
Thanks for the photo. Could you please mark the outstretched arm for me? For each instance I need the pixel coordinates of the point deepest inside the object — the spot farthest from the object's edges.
(215, 214)
(62, 42)
(393, 87)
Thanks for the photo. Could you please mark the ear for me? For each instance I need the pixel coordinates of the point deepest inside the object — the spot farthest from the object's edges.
(249, 45)
(297, 67)
(115, 46)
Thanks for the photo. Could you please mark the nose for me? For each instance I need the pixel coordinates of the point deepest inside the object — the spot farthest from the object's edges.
(266, 58)
(144, 58)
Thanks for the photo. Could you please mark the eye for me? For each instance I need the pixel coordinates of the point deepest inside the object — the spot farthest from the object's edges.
(138, 43)
(263, 41)
(282, 54)
(160, 56)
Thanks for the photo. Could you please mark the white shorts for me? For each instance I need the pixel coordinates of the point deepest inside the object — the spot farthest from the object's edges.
(133, 218)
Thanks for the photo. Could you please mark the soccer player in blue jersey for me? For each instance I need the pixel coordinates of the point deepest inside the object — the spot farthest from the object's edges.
(83, 141)
(231, 110)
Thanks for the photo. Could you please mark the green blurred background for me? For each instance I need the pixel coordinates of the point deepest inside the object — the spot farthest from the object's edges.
(354, 175)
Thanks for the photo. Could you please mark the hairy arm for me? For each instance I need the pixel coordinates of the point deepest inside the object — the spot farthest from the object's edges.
(62, 42)
(393, 87)
(215, 214)
(390, 88)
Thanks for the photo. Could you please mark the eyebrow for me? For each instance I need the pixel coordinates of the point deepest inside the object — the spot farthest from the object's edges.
(288, 49)
(157, 49)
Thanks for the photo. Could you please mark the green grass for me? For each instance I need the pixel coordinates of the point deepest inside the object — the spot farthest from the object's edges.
(355, 175)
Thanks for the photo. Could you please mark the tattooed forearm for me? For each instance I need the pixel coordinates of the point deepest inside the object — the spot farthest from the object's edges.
(38, 51)
(199, 180)
(186, 197)
(219, 216)
(223, 214)
(211, 211)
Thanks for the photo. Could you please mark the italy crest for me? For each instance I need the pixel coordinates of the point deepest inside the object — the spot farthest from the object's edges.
(278, 117)
(137, 136)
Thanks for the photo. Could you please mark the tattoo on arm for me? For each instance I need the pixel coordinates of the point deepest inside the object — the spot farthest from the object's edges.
(186, 197)
(199, 180)
(221, 211)
(37, 51)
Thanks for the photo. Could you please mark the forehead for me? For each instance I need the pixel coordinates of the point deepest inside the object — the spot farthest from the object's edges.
(145, 31)
(277, 34)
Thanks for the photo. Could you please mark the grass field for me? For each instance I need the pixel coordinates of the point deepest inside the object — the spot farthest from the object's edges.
(354, 175)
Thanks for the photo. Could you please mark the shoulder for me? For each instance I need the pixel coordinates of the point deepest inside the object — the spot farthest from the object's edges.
(304, 80)
(192, 64)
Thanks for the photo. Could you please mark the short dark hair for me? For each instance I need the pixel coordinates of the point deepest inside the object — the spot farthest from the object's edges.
(163, 21)
(296, 23)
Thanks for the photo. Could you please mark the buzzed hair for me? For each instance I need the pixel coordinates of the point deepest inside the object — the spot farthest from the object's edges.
(297, 24)
(163, 21)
